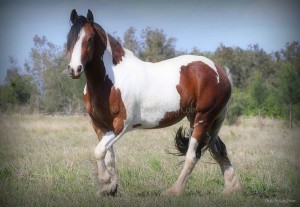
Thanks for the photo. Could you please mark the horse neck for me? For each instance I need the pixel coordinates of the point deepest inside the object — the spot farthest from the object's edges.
(95, 70)
(98, 84)
(101, 65)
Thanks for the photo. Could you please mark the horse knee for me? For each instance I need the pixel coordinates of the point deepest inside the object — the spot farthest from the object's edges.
(100, 152)
(103, 145)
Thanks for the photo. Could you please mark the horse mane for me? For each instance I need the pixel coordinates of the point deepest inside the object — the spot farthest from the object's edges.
(116, 48)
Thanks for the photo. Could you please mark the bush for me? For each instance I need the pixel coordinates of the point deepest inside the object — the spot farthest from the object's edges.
(238, 103)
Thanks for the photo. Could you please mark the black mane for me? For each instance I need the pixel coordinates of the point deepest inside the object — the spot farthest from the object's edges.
(74, 31)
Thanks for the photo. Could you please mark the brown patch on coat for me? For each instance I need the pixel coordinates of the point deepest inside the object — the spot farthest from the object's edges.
(88, 106)
(202, 97)
(199, 89)
(117, 109)
(108, 115)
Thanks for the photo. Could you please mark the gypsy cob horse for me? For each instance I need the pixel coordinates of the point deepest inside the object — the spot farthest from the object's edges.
(123, 93)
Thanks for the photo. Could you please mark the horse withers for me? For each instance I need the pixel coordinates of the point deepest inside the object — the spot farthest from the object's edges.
(123, 93)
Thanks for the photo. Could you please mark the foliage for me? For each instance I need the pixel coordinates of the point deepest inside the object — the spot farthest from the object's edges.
(18, 90)
(61, 93)
(288, 84)
(258, 90)
(238, 106)
(288, 87)
(156, 46)
(130, 41)
(58, 92)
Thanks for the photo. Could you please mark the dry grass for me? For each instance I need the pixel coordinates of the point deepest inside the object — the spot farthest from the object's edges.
(46, 161)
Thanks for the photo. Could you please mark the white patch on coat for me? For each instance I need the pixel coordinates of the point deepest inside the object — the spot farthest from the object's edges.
(76, 54)
(108, 61)
(189, 164)
(85, 90)
(103, 145)
(191, 153)
(148, 90)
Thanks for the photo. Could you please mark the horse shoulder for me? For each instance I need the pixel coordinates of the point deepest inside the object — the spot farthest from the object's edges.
(117, 109)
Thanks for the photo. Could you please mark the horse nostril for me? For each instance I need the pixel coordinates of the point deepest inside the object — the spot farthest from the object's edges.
(79, 68)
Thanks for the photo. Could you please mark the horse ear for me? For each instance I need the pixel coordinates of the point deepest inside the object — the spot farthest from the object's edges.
(73, 16)
(90, 16)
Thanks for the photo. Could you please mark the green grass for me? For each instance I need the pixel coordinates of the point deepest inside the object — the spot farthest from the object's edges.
(48, 161)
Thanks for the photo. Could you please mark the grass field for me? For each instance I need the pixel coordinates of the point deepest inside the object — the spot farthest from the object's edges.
(48, 161)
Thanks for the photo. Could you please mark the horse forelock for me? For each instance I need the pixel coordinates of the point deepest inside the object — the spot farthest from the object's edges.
(74, 32)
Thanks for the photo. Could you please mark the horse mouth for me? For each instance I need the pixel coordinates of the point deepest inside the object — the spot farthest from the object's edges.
(77, 76)
(74, 74)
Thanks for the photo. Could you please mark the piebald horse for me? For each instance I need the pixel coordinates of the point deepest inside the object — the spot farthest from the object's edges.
(123, 93)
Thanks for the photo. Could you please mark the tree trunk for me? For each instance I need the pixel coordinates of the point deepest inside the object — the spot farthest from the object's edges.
(259, 119)
(291, 116)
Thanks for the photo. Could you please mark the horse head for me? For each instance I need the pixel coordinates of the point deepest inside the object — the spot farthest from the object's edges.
(84, 39)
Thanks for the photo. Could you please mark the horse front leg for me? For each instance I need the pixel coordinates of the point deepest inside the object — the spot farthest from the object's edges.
(110, 161)
(106, 177)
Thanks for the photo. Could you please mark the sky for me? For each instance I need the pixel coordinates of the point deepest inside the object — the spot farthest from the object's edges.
(204, 24)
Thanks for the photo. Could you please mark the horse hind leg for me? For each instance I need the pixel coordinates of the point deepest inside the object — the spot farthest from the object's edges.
(193, 153)
(189, 164)
(219, 153)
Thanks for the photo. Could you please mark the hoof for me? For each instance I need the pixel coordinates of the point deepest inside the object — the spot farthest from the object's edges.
(109, 192)
(235, 187)
(109, 188)
(232, 182)
(171, 192)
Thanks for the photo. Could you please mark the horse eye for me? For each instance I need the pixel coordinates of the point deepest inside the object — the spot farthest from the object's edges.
(90, 40)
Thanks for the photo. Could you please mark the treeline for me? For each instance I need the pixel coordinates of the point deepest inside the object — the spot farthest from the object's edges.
(264, 84)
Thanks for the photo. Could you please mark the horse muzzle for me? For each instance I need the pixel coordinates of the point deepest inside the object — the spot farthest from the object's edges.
(75, 73)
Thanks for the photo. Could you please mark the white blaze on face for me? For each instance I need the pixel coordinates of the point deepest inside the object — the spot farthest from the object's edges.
(76, 54)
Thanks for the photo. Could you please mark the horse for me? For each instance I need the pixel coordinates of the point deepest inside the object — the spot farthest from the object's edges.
(123, 93)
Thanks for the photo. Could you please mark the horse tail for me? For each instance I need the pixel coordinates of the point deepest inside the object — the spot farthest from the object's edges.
(228, 73)
(181, 142)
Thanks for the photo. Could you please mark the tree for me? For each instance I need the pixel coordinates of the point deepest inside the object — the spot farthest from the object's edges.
(156, 46)
(288, 84)
(42, 57)
(243, 63)
(61, 93)
(18, 90)
(130, 41)
(291, 54)
(238, 102)
(258, 92)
